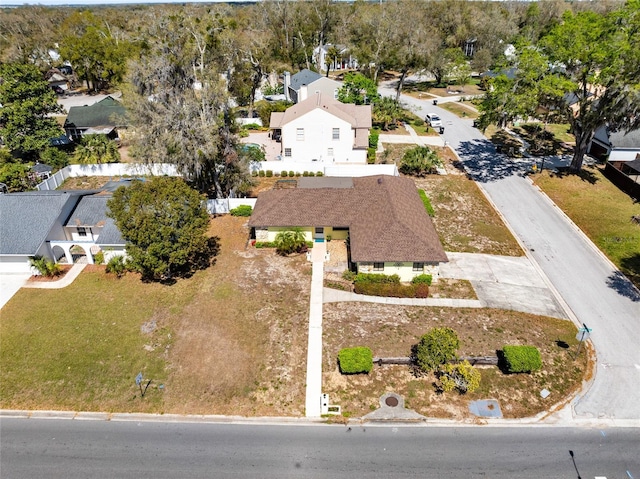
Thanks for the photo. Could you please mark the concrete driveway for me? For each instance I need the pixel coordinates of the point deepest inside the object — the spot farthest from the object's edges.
(504, 282)
(10, 283)
(596, 293)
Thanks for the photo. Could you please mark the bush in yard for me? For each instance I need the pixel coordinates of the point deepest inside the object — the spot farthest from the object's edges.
(462, 376)
(117, 265)
(261, 173)
(45, 266)
(291, 241)
(269, 173)
(284, 173)
(98, 258)
(349, 275)
(242, 210)
(291, 174)
(355, 360)
(419, 161)
(436, 348)
(522, 359)
(422, 279)
(427, 203)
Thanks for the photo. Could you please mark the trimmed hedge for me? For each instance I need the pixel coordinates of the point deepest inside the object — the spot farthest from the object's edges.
(392, 290)
(242, 210)
(376, 278)
(522, 359)
(272, 244)
(427, 203)
(355, 360)
(422, 279)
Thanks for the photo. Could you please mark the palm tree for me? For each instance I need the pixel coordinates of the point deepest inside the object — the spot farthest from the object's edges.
(290, 241)
(96, 149)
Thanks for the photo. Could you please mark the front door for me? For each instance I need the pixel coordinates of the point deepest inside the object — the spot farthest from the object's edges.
(318, 234)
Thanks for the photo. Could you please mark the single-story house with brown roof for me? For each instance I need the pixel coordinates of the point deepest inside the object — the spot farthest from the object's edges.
(382, 216)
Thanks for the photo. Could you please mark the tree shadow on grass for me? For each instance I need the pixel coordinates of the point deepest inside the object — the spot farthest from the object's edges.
(484, 164)
(584, 174)
(630, 265)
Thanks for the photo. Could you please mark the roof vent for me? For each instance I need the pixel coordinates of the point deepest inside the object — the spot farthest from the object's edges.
(379, 181)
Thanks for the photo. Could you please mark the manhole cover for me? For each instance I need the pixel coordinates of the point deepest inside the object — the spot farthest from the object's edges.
(391, 401)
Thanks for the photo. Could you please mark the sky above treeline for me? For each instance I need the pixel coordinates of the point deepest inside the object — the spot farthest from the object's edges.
(107, 2)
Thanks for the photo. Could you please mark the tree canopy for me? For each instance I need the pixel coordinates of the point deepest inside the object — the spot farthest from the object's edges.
(585, 69)
(164, 223)
(27, 101)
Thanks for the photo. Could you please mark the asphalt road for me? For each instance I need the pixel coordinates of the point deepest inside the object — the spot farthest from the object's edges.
(69, 449)
(597, 294)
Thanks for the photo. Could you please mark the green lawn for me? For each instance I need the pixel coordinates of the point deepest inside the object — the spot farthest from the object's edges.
(459, 110)
(81, 347)
(602, 211)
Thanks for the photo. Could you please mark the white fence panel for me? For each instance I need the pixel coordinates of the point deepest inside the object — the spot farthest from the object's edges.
(108, 169)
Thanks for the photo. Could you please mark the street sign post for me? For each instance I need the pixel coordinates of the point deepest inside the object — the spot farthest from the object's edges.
(583, 334)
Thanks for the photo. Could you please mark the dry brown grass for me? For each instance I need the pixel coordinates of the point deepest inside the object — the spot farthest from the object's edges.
(392, 330)
(240, 345)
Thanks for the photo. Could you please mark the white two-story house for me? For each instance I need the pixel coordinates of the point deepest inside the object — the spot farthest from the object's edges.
(321, 129)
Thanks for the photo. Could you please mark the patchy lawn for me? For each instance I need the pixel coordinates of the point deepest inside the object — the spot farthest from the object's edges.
(230, 340)
(466, 222)
(601, 210)
(87, 182)
(390, 331)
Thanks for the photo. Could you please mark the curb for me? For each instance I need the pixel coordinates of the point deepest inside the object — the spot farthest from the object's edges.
(302, 421)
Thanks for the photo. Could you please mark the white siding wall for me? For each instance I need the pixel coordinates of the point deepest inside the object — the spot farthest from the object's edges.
(318, 128)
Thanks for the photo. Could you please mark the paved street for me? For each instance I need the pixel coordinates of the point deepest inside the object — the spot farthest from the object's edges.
(70, 449)
(596, 293)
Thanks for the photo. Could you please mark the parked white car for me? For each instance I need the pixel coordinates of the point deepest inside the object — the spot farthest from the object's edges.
(433, 120)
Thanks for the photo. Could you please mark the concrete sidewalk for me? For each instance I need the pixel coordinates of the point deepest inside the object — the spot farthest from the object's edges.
(314, 348)
(65, 281)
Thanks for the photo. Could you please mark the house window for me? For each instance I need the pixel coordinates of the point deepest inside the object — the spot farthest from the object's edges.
(300, 134)
(418, 266)
(378, 266)
(82, 231)
(335, 133)
(330, 151)
(287, 152)
(335, 94)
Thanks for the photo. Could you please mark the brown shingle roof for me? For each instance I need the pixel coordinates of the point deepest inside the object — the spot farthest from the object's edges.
(385, 216)
(359, 116)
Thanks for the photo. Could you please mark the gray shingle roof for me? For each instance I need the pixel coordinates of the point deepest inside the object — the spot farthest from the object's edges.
(385, 216)
(107, 112)
(624, 139)
(92, 211)
(27, 218)
(303, 77)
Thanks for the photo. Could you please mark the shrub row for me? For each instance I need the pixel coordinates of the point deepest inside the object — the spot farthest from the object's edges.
(392, 290)
(376, 278)
(427, 203)
(242, 210)
(272, 244)
(522, 359)
(355, 360)
(285, 174)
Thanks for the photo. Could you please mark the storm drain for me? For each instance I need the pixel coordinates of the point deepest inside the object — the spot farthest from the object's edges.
(391, 401)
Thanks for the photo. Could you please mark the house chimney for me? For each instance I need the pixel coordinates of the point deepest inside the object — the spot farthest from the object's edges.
(303, 93)
(287, 83)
